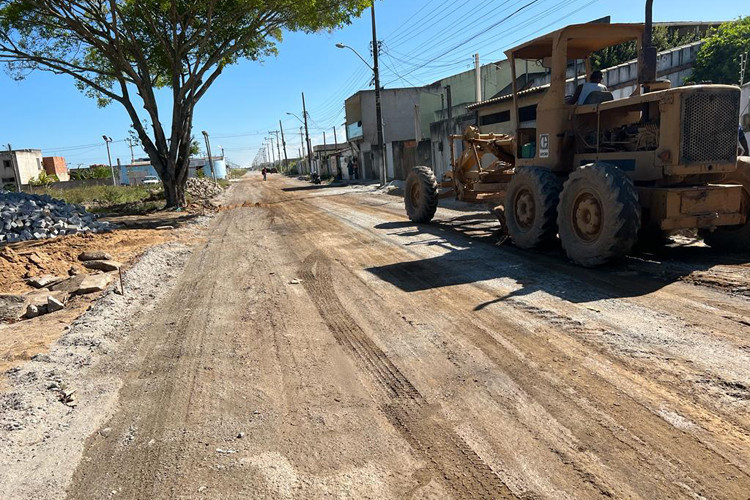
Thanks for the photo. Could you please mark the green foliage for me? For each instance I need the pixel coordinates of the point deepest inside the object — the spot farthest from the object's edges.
(92, 172)
(234, 173)
(125, 199)
(718, 60)
(43, 179)
(195, 147)
(663, 39)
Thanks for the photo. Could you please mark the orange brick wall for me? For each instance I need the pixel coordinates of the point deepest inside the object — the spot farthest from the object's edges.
(54, 165)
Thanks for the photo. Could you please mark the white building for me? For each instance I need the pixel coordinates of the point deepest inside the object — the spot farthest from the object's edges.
(27, 161)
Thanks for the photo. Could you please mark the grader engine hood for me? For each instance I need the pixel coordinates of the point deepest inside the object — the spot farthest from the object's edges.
(699, 129)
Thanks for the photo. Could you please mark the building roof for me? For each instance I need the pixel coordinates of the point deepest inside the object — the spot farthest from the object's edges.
(506, 97)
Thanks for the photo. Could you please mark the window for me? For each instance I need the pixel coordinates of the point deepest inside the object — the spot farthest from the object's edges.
(527, 113)
(7, 165)
(9, 180)
(501, 117)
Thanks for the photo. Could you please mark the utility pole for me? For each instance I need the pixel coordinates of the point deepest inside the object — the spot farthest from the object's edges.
(307, 133)
(378, 111)
(283, 142)
(210, 159)
(278, 147)
(107, 140)
(16, 172)
(328, 167)
(273, 155)
(132, 156)
(478, 76)
(302, 144)
(336, 149)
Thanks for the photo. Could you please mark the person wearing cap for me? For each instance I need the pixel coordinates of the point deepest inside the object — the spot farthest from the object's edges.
(593, 85)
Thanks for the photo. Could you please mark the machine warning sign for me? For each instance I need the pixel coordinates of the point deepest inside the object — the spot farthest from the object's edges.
(543, 145)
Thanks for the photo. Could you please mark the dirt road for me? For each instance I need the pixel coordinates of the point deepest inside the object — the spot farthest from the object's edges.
(319, 344)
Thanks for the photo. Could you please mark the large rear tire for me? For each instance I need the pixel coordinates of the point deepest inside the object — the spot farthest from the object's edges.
(599, 215)
(531, 206)
(734, 238)
(421, 195)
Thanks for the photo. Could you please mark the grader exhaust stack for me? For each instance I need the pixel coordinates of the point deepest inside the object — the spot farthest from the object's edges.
(647, 64)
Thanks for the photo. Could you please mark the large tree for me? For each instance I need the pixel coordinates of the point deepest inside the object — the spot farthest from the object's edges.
(718, 59)
(124, 50)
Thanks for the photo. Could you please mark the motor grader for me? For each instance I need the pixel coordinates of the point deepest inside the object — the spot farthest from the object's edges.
(602, 174)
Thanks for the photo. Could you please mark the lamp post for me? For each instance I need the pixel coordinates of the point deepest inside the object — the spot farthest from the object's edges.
(210, 159)
(378, 111)
(107, 140)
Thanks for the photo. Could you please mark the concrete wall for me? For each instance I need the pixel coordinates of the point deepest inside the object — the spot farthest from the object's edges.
(28, 161)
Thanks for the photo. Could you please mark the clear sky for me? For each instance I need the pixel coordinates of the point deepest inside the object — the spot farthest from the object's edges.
(424, 40)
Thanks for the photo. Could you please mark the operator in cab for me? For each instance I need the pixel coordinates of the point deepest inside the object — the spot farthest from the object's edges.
(593, 85)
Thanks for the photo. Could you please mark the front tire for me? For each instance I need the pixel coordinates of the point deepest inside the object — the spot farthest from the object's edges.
(599, 215)
(531, 206)
(421, 195)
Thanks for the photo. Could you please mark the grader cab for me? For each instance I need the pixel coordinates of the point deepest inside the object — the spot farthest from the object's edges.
(601, 174)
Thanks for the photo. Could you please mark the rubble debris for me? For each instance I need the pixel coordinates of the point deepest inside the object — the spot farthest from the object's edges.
(94, 255)
(202, 188)
(32, 311)
(26, 216)
(44, 281)
(93, 283)
(102, 265)
(54, 305)
(84, 283)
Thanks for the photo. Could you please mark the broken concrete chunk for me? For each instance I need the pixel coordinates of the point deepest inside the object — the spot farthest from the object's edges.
(54, 305)
(12, 307)
(69, 285)
(93, 283)
(102, 265)
(32, 311)
(44, 281)
(94, 255)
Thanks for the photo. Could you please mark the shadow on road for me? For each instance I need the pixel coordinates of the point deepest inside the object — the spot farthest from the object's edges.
(474, 256)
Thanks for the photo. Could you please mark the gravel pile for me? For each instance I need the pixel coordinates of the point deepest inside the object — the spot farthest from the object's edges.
(203, 188)
(34, 217)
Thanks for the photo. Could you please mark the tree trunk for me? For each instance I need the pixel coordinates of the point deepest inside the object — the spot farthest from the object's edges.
(174, 179)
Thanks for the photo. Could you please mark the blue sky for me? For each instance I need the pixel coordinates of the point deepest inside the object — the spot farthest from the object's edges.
(424, 41)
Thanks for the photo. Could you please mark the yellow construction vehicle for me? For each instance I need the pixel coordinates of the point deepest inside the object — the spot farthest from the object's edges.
(601, 174)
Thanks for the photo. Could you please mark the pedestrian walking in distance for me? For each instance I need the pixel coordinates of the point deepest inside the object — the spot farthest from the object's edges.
(264, 171)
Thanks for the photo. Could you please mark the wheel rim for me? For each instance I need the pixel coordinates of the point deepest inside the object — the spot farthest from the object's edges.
(524, 209)
(587, 216)
(415, 194)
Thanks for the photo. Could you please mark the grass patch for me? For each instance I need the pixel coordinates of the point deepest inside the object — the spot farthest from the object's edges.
(119, 199)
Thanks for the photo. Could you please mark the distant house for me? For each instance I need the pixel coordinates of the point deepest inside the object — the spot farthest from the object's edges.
(55, 165)
(27, 162)
(133, 173)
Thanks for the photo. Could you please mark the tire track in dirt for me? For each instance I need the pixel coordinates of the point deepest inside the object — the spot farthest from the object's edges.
(612, 409)
(420, 423)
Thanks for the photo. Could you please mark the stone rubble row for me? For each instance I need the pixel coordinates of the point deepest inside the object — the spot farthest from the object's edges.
(26, 216)
(202, 188)
(53, 291)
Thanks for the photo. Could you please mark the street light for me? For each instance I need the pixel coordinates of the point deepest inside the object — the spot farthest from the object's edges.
(208, 150)
(107, 140)
(378, 111)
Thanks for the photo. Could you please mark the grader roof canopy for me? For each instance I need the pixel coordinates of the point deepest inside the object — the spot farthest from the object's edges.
(583, 39)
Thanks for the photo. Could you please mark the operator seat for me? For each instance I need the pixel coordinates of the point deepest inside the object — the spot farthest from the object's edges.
(598, 97)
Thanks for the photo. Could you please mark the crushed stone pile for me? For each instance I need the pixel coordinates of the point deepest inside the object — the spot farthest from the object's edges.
(34, 217)
(203, 188)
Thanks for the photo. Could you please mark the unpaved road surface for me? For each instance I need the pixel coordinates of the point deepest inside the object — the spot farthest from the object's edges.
(318, 344)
